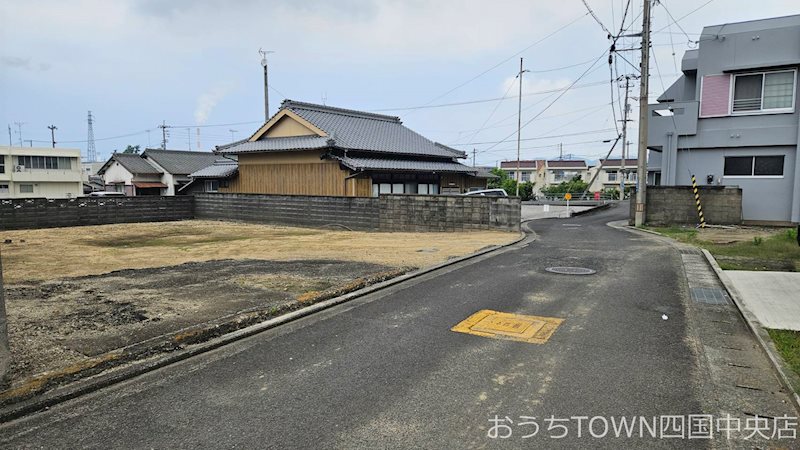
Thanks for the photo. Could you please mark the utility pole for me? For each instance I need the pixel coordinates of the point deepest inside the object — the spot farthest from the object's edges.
(53, 129)
(163, 127)
(266, 82)
(519, 124)
(641, 172)
(473, 156)
(560, 150)
(233, 132)
(10, 144)
(624, 138)
(198, 139)
(19, 131)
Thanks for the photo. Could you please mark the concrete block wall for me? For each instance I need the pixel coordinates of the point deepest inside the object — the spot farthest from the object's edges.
(17, 214)
(356, 213)
(673, 205)
(420, 213)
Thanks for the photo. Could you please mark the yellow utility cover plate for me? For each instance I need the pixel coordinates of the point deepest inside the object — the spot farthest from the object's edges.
(515, 327)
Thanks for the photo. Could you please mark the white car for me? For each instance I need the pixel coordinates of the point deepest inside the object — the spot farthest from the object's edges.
(488, 193)
(106, 194)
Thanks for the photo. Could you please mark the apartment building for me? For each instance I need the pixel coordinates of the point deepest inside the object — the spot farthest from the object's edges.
(31, 172)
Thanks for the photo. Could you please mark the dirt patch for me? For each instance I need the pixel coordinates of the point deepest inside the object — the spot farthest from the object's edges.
(734, 234)
(77, 251)
(63, 322)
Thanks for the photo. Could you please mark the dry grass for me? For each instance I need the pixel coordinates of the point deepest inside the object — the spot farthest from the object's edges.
(77, 251)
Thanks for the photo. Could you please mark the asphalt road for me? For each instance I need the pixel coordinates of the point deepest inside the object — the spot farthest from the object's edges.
(385, 371)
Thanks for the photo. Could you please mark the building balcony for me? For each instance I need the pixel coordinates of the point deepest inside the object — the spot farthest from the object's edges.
(671, 118)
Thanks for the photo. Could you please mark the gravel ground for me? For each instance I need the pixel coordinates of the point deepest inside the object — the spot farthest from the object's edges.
(56, 323)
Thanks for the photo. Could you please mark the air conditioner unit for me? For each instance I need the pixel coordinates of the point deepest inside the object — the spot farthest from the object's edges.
(19, 168)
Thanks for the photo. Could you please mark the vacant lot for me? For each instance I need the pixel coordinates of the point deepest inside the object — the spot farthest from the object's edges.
(744, 248)
(73, 293)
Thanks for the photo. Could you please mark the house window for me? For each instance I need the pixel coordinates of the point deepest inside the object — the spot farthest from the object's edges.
(45, 162)
(3, 165)
(526, 176)
(26, 189)
(753, 166)
(3, 189)
(428, 188)
(764, 92)
(612, 176)
(212, 186)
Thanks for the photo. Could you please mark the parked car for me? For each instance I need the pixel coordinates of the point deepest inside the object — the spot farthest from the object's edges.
(488, 193)
(106, 194)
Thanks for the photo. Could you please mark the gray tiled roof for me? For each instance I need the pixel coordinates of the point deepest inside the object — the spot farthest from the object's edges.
(354, 130)
(278, 144)
(135, 164)
(222, 168)
(403, 164)
(180, 162)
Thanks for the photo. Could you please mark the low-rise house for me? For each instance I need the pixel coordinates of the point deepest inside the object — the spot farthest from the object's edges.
(212, 178)
(731, 119)
(27, 172)
(310, 149)
(154, 172)
(176, 165)
(610, 175)
(132, 175)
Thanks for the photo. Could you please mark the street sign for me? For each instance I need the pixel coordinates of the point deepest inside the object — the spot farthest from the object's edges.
(567, 196)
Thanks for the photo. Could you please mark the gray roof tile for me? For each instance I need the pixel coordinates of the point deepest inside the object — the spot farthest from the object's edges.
(352, 130)
(222, 168)
(404, 164)
(135, 164)
(278, 144)
(180, 162)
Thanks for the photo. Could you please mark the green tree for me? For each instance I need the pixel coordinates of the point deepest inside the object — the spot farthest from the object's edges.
(505, 182)
(131, 149)
(575, 186)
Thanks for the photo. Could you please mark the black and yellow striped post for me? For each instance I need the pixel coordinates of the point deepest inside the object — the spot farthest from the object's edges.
(697, 201)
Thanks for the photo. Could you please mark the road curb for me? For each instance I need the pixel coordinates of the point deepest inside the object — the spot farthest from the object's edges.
(785, 376)
(116, 374)
(591, 210)
(788, 378)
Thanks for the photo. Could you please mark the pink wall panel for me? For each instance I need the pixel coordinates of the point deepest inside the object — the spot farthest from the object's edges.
(715, 95)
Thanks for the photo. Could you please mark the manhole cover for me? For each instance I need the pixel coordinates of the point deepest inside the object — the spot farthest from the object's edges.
(571, 270)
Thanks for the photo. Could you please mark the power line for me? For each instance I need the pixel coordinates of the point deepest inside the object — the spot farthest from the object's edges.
(486, 100)
(507, 59)
(561, 94)
(581, 133)
(596, 19)
(684, 16)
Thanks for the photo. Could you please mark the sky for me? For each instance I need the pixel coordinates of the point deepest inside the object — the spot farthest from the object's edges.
(446, 68)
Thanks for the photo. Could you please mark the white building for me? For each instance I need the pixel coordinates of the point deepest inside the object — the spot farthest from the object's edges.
(32, 172)
(610, 175)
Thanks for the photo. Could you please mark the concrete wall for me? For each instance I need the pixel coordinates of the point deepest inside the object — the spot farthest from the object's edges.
(385, 213)
(667, 205)
(295, 210)
(42, 213)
